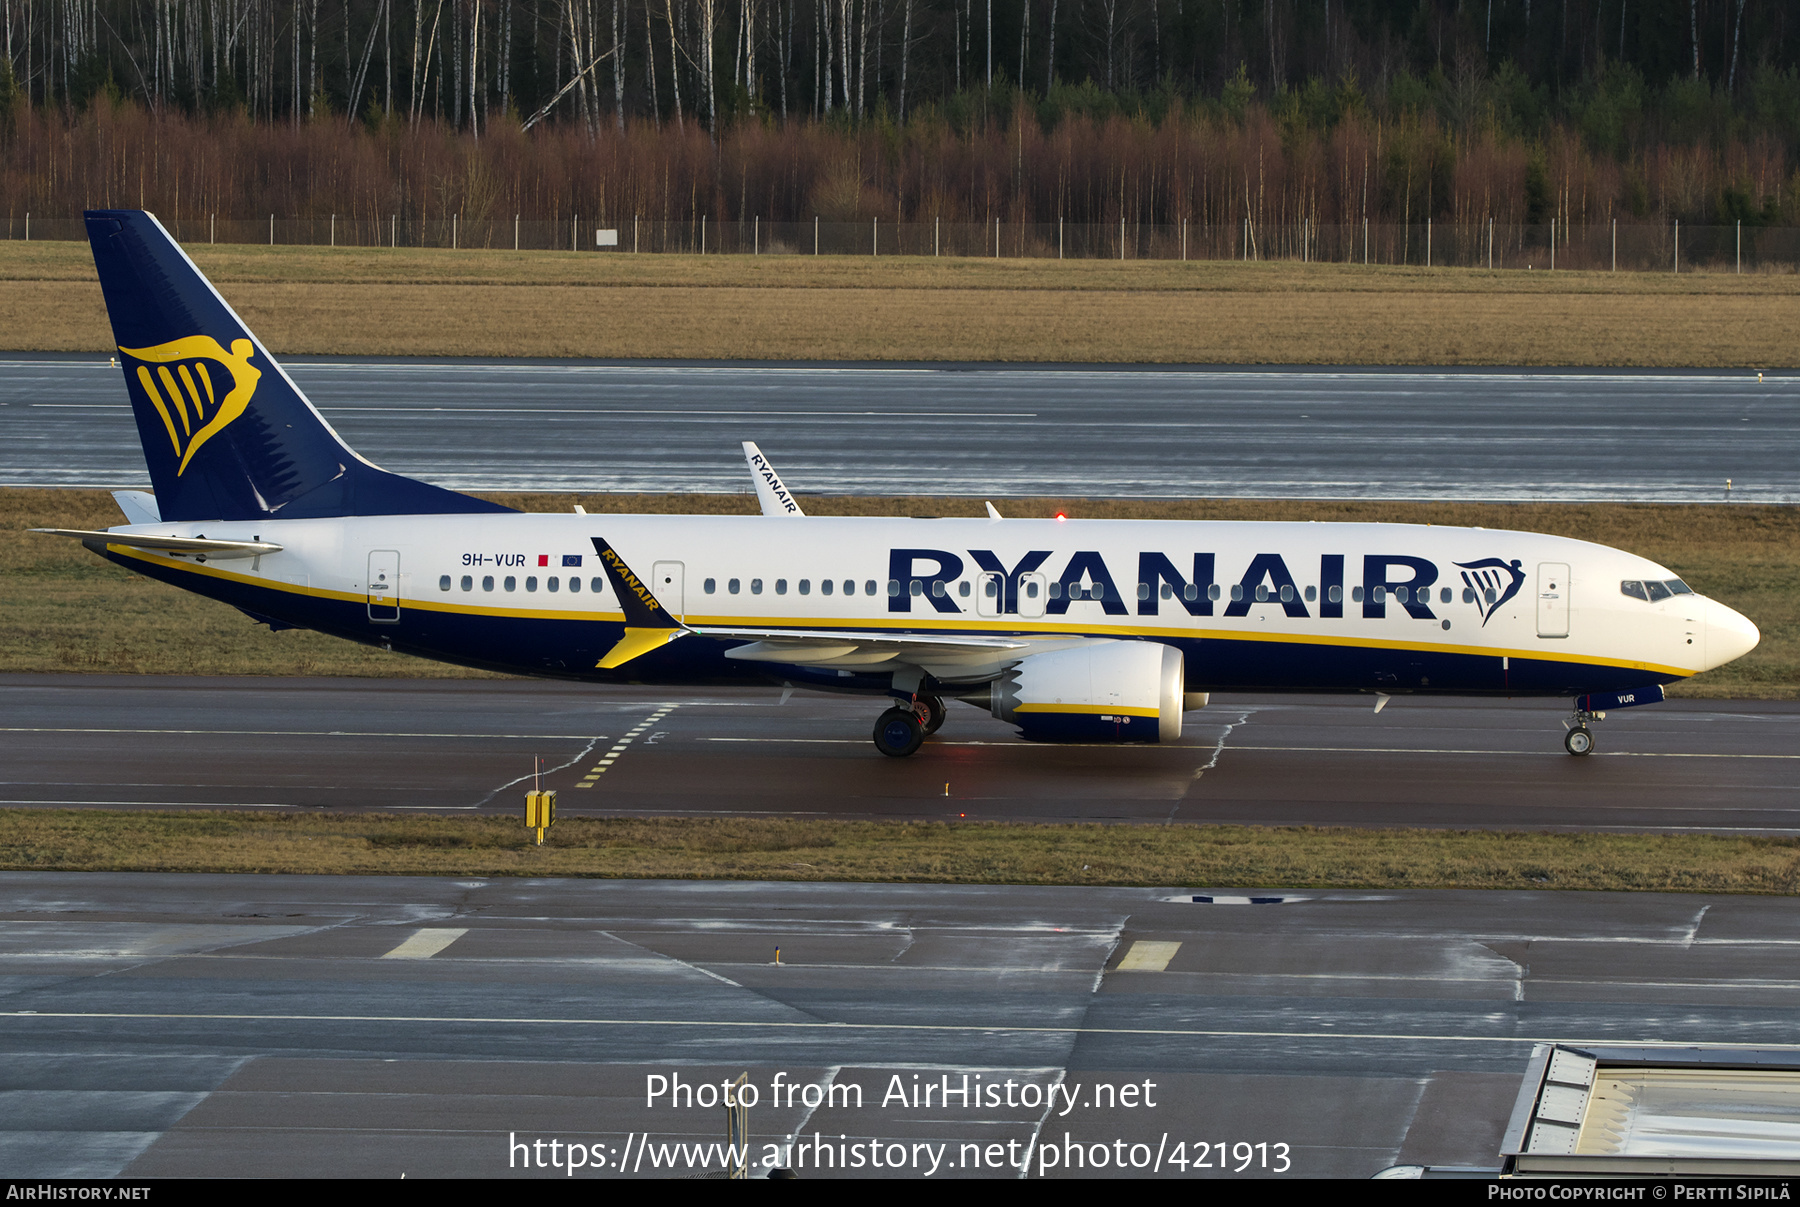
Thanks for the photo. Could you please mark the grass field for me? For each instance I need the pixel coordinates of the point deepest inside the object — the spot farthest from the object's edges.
(964, 853)
(350, 301)
(63, 609)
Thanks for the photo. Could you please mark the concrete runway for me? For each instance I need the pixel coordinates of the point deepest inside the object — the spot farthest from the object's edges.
(1075, 431)
(285, 1026)
(460, 745)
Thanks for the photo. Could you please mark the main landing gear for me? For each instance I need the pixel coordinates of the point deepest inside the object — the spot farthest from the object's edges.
(901, 730)
(1580, 739)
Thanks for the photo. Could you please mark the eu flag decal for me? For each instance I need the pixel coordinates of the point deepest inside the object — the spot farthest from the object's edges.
(571, 559)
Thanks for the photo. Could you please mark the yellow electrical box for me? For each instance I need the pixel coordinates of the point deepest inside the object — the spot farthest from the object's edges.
(540, 812)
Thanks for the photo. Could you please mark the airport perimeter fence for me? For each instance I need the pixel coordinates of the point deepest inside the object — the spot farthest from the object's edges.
(1623, 247)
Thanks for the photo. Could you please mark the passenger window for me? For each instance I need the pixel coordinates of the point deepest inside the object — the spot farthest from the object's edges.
(1490, 595)
(574, 582)
(1212, 591)
(1262, 593)
(937, 589)
(825, 585)
(553, 582)
(850, 586)
(597, 585)
(1335, 595)
(990, 589)
(531, 582)
(487, 582)
(732, 586)
(1403, 594)
(1658, 591)
(894, 587)
(756, 586)
(806, 586)
(1237, 592)
(962, 588)
(1468, 594)
(1379, 594)
(1191, 592)
(916, 587)
(1055, 590)
(1167, 592)
(511, 583)
(444, 582)
(781, 586)
(710, 586)
(1031, 590)
(1312, 593)
(468, 583)
(1287, 595)
(1356, 594)
(1143, 590)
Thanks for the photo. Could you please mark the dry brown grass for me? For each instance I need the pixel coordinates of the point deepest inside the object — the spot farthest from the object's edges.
(961, 853)
(485, 303)
(63, 609)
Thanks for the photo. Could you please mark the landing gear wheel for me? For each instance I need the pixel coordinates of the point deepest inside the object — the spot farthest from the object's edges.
(931, 712)
(898, 732)
(1578, 740)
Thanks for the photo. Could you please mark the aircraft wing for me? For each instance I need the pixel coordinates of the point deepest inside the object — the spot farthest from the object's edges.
(959, 656)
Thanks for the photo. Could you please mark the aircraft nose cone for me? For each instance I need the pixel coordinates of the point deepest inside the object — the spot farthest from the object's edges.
(1729, 634)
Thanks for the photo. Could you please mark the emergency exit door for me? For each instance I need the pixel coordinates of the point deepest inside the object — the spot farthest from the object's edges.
(666, 584)
(1553, 599)
(384, 586)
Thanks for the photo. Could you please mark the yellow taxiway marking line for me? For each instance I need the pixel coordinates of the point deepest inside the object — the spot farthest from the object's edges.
(1147, 956)
(427, 942)
(618, 748)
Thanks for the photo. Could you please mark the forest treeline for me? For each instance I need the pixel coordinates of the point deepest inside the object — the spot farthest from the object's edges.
(1023, 110)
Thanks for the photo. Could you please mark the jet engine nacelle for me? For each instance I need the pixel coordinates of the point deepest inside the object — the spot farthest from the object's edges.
(1099, 691)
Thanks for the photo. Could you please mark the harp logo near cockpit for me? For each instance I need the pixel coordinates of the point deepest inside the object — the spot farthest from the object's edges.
(196, 386)
(1485, 577)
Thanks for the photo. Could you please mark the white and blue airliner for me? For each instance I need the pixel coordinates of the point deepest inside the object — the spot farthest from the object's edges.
(1070, 630)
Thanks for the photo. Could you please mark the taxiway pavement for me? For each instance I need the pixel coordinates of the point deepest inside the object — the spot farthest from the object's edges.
(179, 1026)
(466, 745)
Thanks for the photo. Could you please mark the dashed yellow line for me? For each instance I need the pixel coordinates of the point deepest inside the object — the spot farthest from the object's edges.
(618, 748)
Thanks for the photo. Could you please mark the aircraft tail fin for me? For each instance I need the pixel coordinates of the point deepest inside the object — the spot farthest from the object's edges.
(227, 434)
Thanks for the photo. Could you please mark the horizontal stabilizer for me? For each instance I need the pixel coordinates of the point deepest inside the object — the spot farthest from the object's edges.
(139, 506)
(167, 544)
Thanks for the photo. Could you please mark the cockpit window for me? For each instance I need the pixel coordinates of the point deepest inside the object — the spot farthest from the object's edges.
(1653, 591)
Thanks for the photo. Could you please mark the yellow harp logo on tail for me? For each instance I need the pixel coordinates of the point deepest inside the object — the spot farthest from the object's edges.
(197, 387)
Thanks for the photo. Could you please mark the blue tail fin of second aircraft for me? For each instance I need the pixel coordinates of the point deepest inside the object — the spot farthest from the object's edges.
(227, 434)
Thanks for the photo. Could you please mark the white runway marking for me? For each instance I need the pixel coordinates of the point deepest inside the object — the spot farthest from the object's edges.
(425, 943)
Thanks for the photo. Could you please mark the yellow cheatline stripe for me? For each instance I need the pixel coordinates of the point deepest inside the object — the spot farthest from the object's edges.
(972, 625)
(1096, 710)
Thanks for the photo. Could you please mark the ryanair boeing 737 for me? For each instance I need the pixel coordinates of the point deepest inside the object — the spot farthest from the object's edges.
(1070, 630)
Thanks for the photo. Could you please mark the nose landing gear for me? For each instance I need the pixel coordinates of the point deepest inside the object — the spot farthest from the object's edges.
(1580, 739)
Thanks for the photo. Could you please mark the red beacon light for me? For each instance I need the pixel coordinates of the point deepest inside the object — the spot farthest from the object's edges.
(1062, 515)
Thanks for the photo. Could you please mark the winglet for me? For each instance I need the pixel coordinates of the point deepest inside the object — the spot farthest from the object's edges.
(648, 625)
(771, 491)
(993, 512)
